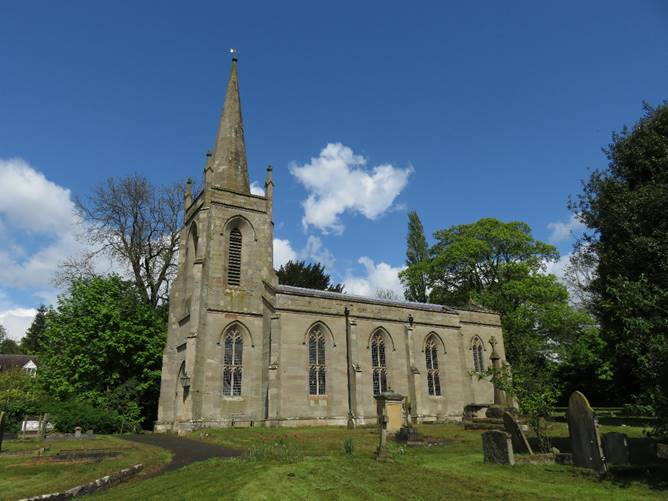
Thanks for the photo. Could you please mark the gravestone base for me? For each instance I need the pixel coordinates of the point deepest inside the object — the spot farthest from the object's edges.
(615, 448)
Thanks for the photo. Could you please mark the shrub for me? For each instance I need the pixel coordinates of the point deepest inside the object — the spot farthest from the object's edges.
(66, 415)
(348, 446)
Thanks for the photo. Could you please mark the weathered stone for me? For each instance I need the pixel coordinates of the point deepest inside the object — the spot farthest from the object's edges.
(77, 432)
(662, 451)
(495, 411)
(583, 429)
(226, 288)
(615, 448)
(519, 439)
(497, 447)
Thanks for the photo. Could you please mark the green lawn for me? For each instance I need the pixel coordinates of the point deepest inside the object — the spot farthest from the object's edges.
(22, 476)
(309, 463)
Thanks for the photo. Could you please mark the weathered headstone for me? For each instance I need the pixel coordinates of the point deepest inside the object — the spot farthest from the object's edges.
(388, 407)
(497, 447)
(77, 432)
(662, 451)
(615, 448)
(583, 429)
(517, 436)
(2, 428)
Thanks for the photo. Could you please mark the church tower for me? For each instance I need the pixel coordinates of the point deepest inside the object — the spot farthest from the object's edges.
(222, 299)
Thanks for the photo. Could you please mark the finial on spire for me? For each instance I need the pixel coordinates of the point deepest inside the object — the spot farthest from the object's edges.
(233, 51)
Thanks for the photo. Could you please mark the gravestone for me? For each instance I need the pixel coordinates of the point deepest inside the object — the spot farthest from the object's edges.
(77, 432)
(388, 407)
(583, 429)
(662, 451)
(615, 448)
(2, 428)
(517, 436)
(497, 447)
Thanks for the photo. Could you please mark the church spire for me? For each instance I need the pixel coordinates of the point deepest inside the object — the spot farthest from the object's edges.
(230, 169)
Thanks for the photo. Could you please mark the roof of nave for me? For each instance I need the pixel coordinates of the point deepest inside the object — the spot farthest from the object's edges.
(302, 291)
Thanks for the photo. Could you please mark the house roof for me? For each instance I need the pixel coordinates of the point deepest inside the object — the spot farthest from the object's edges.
(8, 362)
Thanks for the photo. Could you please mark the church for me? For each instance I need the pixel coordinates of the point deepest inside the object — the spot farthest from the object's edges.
(244, 350)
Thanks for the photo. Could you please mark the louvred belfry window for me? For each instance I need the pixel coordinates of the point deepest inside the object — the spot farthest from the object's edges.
(316, 361)
(234, 258)
(232, 362)
(433, 374)
(378, 363)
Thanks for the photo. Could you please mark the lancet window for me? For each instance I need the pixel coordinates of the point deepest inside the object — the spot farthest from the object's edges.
(433, 374)
(378, 363)
(234, 258)
(317, 372)
(478, 358)
(233, 362)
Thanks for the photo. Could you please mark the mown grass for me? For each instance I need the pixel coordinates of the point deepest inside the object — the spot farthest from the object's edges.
(317, 467)
(22, 476)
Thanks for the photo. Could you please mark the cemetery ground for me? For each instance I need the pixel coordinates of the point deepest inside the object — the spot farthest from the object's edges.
(311, 463)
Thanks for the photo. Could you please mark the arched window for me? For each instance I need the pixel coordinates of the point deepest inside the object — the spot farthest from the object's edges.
(232, 362)
(378, 363)
(316, 362)
(234, 258)
(478, 359)
(433, 374)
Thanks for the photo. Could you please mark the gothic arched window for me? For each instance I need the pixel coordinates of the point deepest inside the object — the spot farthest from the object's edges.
(234, 258)
(433, 374)
(478, 359)
(378, 363)
(316, 362)
(232, 362)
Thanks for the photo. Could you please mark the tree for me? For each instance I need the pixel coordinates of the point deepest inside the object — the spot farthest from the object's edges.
(103, 344)
(501, 266)
(136, 223)
(31, 342)
(388, 294)
(310, 276)
(417, 252)
(624, 207)
(7, 345)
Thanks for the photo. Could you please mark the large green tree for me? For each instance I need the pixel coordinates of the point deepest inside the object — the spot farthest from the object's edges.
(501, 266)
(103, 343)
(625, 207)
(417, 253)
(31, 342)
(308, 275)
(8, 345)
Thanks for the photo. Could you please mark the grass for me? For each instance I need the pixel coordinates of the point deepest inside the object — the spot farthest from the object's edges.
(22, 476)
(317, 467)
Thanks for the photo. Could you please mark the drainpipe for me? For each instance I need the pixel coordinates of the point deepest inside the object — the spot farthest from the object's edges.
(351, 418)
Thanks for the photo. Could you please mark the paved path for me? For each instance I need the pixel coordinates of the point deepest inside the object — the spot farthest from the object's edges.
(185, 451)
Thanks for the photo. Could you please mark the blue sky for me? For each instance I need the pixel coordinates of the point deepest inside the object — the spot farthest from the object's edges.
(475, 109)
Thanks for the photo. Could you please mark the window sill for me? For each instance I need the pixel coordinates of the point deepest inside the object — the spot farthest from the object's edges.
(318, 397)
(233, 399)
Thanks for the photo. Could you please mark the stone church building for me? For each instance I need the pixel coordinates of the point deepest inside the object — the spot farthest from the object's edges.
(244, 350)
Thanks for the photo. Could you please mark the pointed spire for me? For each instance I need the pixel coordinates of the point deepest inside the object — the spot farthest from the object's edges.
(230, 168)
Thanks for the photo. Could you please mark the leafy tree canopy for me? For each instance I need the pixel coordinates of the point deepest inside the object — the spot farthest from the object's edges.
(32, 340)
(417, 251)
(501, 266)
(103, 343)
(310, 276)
(625, 207)
(7, 345)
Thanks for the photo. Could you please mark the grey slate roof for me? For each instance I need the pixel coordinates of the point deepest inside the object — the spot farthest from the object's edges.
(301, 291)
(8, 362)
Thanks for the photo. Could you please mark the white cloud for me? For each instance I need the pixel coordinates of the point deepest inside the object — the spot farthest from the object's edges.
(558, 268)
(337, 181)
(561, 231)
(16, 321)
(283, 252)
(381, 276)
(256, 189)
(312, 251)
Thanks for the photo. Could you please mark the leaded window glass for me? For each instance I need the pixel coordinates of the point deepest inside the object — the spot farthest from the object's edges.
(317, 364)
(233, 362)
(378, 363)
(478, 359)
(433, 374)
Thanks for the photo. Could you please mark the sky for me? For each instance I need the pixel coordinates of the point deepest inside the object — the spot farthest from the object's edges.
(365, 110)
